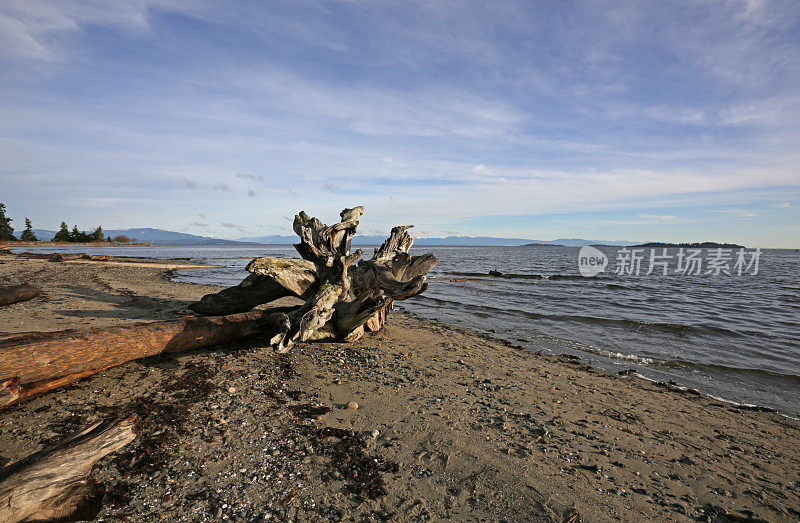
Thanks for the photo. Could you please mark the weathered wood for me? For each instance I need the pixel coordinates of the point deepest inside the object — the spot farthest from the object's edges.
(18, 293)
(322, 244)
(251, 292)
(54, 483)
(298, 277)
(53, 256)
(399, 240)
(365, 289)
(34, 364)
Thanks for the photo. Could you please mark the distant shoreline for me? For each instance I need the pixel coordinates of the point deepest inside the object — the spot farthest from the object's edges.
(665, 245)
(696, 245)
(21, 243)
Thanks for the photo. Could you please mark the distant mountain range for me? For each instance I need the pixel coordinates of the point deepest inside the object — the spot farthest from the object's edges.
(701, 245)
(154, 236)
(162, 237)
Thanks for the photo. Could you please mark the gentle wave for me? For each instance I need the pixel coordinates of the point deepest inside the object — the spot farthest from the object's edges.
(513, 276)
(677, 328)
(689, 365)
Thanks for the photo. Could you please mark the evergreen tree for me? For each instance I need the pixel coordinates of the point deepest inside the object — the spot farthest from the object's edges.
(6, 230)
(28, 234)
(97, 235)
(78, 236)
(63, 234)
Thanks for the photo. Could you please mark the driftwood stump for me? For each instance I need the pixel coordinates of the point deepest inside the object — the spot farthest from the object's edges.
(343, 298)
(54, 484)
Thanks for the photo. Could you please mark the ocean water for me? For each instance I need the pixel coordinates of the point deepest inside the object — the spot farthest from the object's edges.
(735, 337)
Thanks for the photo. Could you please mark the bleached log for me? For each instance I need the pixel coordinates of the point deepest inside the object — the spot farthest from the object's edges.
(54, 484)
(251, 292)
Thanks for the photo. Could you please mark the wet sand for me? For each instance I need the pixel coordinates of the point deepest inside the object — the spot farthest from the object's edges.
(449, 425)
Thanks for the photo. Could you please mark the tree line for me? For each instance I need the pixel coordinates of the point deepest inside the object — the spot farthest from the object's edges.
(64, 234)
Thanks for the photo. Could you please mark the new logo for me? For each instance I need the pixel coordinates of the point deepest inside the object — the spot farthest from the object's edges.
(591, 261)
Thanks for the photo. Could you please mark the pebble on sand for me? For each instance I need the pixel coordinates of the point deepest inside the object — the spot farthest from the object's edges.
(352, 405)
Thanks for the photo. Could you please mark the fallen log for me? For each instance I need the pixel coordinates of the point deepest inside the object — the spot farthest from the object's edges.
(54, 256)
(18, 293)
(54, 483)
(95, 257)
(253, 291)
(33, 363)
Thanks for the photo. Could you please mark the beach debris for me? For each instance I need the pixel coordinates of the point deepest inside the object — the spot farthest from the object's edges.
(343, 299)
(95, 257)
(35, 362)
(572, 516)
(18, 293)
(53, 256)
(54, 483)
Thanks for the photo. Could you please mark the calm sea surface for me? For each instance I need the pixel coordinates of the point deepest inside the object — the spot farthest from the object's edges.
(733, 337)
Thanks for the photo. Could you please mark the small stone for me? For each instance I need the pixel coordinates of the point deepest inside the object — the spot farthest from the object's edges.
(218, 513)
(352, 405)
(541, 431)
(232, 389)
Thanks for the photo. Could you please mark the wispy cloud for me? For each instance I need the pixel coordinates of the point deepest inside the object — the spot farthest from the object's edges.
(659, 217)
(739, 213)
(249, 177)
(229, 225)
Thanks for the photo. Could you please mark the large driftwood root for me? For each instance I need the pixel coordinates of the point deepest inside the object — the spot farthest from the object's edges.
(18, 293)
(54, 484)
(343, 298)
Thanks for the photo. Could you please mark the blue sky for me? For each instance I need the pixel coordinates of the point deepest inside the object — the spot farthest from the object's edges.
(673, 121)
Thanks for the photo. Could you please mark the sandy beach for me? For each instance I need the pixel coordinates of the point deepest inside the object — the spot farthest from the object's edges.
(450, 425)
